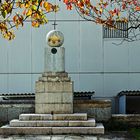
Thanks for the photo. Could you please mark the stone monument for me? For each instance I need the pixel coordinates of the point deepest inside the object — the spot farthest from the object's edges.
(54, 90)
(54, 100)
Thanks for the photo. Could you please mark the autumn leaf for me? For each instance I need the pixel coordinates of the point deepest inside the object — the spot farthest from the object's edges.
(69, 7)
(41, 3)
(29, 13)
(21, 5)
(45, 20)
(123, 6)
(18, 20)
(66, 1)
(34, 7)
(137, 8)
(24, 12)
(35, 24)
(55, 8)
(15, 18)
(95, 10)
(47, 6)
(28, 4)
(101, 11)
(9, 35)
(3, 26)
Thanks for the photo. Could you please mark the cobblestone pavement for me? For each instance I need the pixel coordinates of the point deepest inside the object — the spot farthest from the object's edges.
(109, 136)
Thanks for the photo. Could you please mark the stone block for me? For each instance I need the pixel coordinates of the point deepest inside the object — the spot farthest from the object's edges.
(99, 129)
(74, 137)
(67, 97)
(75, 116)
(17, 123)
(53, 108)
(88, 123)
(39, 137)
(52, 123)
(59, 137)
(47, 98)
(55, 117)
(54, 98)
(26, 117)
(91, 138)
(68, 86)
(39, 86)
(54, 87)
(6, 130)
(58, 86)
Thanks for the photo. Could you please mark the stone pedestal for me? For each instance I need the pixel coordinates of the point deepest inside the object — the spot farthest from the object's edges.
(54, 93)
(54, 61)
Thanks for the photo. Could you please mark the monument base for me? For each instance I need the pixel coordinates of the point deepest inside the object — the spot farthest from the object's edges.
(38, 124)
(53, 111)
(54, 93)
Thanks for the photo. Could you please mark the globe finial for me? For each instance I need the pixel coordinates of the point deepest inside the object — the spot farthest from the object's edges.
(55, 38)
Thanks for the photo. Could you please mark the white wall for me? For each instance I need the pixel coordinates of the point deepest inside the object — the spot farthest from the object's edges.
(93, 63)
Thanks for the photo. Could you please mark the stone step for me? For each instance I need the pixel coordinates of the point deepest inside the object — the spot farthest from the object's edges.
(7, 130)
(53, 123)
(75, 116)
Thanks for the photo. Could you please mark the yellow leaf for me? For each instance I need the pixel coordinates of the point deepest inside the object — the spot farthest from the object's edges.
(47, 6)
(28, 4)
(56, 8)
(29, 12)
(101, 10)
(45, 20)
(21, 5)
(34, 7)
(35, 24)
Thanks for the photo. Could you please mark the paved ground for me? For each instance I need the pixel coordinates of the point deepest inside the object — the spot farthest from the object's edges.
(107, 136)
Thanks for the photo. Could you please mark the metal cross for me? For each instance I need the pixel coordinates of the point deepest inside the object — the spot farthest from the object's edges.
(54, 24)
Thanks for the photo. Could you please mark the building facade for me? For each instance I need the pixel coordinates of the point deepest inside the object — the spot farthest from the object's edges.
(93, 62)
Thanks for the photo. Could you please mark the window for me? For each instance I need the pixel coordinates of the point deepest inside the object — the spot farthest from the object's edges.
(114, 33)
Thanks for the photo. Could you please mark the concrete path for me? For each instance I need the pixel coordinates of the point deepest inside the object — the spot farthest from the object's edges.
(65, 137)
